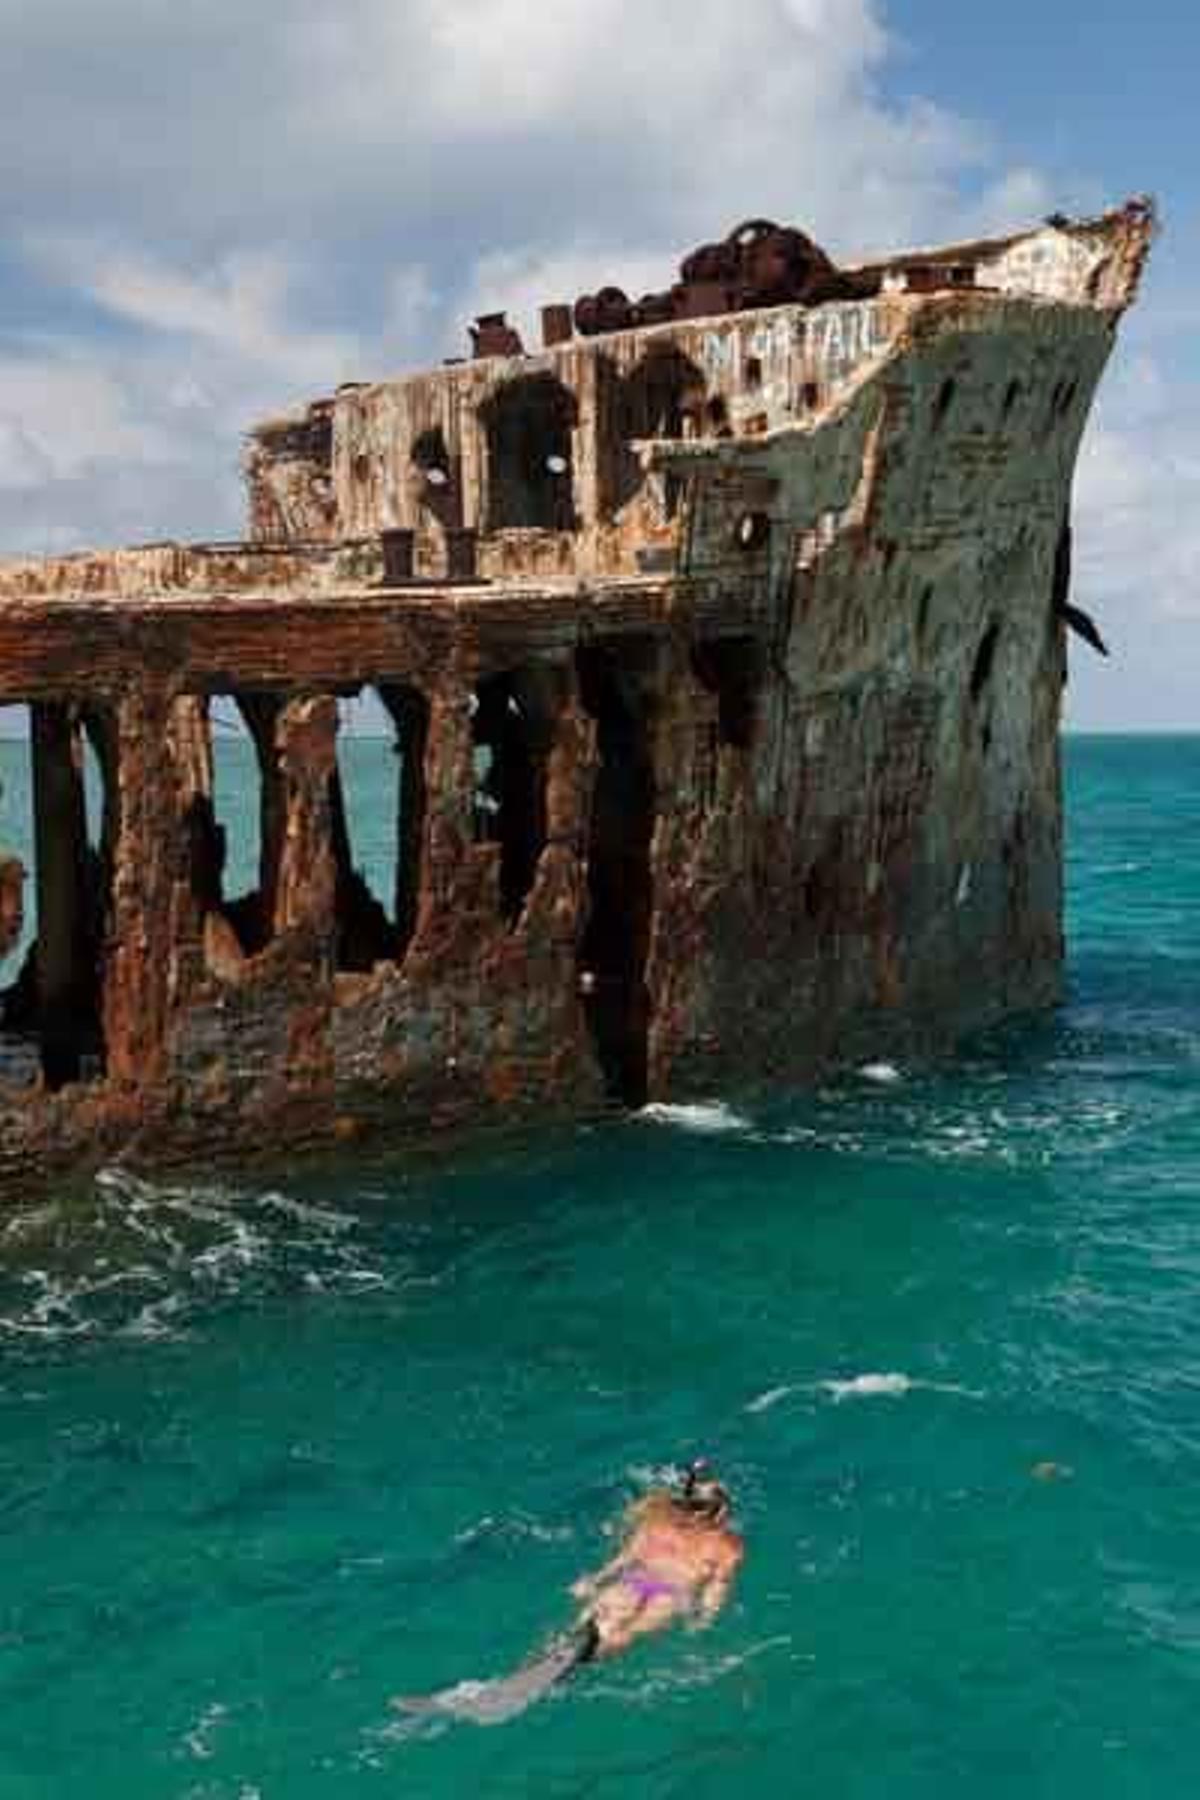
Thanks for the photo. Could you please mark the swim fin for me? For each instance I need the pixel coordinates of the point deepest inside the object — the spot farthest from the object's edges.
(494, 1702)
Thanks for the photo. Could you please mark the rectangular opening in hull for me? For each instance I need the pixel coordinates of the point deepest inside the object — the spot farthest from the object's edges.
(513, 723)
(56, 863)
(377, 815)
(233, 801)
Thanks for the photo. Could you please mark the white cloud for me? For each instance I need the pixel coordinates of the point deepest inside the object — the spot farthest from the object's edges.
(411, 318)
(1137, 540)
(240, 306)
(230, 207)
(137, 435)
(60, 412)
(1138, 491)
(234, 204)
(235, 126)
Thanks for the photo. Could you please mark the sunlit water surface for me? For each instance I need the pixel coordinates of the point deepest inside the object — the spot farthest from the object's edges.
(271, 1453)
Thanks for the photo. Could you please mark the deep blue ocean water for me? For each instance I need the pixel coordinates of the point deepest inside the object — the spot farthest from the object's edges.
(270, 1453)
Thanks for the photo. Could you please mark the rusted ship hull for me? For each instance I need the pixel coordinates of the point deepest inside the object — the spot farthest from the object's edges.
(735, 760)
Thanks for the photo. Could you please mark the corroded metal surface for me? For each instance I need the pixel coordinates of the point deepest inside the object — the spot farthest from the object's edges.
(12, 903)
(723, 658)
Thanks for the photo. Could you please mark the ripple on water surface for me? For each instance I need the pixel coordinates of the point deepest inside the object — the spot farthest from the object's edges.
(270, 1455)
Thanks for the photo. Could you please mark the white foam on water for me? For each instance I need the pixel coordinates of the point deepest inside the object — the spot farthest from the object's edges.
(221, 1263)
(667, 1474)
(28, 1224)
(542, 1534)
(113, 1179)
(861, 1387)
(521, 1526)
(157, 1321)
(471, 1534)
(198, 1740)
(889, 1385)
(885, 1074)
(707, 1117)
(764, 1402)
(320, 1216)
(834, 1143)
(146, 1260)
(892, 1385)
(40, 1328)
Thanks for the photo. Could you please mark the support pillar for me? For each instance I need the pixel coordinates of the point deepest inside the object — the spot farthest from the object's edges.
(409, 711)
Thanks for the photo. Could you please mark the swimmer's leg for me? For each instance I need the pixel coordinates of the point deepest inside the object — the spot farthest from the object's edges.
(586, 1637)
(492, 1702)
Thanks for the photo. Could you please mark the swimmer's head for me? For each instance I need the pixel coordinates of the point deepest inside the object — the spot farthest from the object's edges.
(703, 1495)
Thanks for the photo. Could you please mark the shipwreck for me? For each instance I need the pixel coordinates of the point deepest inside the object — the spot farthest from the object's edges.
(722, 640)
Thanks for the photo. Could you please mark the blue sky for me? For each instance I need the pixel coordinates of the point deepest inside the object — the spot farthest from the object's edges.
(211, 212)
(1100, 99)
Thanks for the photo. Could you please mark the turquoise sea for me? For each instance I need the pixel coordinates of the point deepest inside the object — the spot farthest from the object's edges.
(272, 1452)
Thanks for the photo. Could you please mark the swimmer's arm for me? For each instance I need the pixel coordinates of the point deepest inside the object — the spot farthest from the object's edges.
(710, 1599)
(715, 1589)
(587, 1585)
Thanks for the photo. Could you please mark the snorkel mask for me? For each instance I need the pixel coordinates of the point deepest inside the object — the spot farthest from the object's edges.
(702, 1494)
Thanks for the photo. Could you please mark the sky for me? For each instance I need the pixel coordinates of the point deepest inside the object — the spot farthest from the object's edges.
(211, 212)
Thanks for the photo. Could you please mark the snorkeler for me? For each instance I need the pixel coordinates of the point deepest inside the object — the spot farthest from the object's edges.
(676, 1565)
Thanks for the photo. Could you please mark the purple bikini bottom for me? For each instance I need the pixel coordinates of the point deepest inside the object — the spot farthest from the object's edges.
(650, 1587)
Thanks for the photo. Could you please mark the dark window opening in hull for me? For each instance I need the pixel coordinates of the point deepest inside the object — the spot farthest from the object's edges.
(438, 487)
(616, 938)
(752, 532)
(529, 425)
(656, 400)
(513, 729)
(56, 864)
(732, 669)
(377, 823)
(234, 806)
